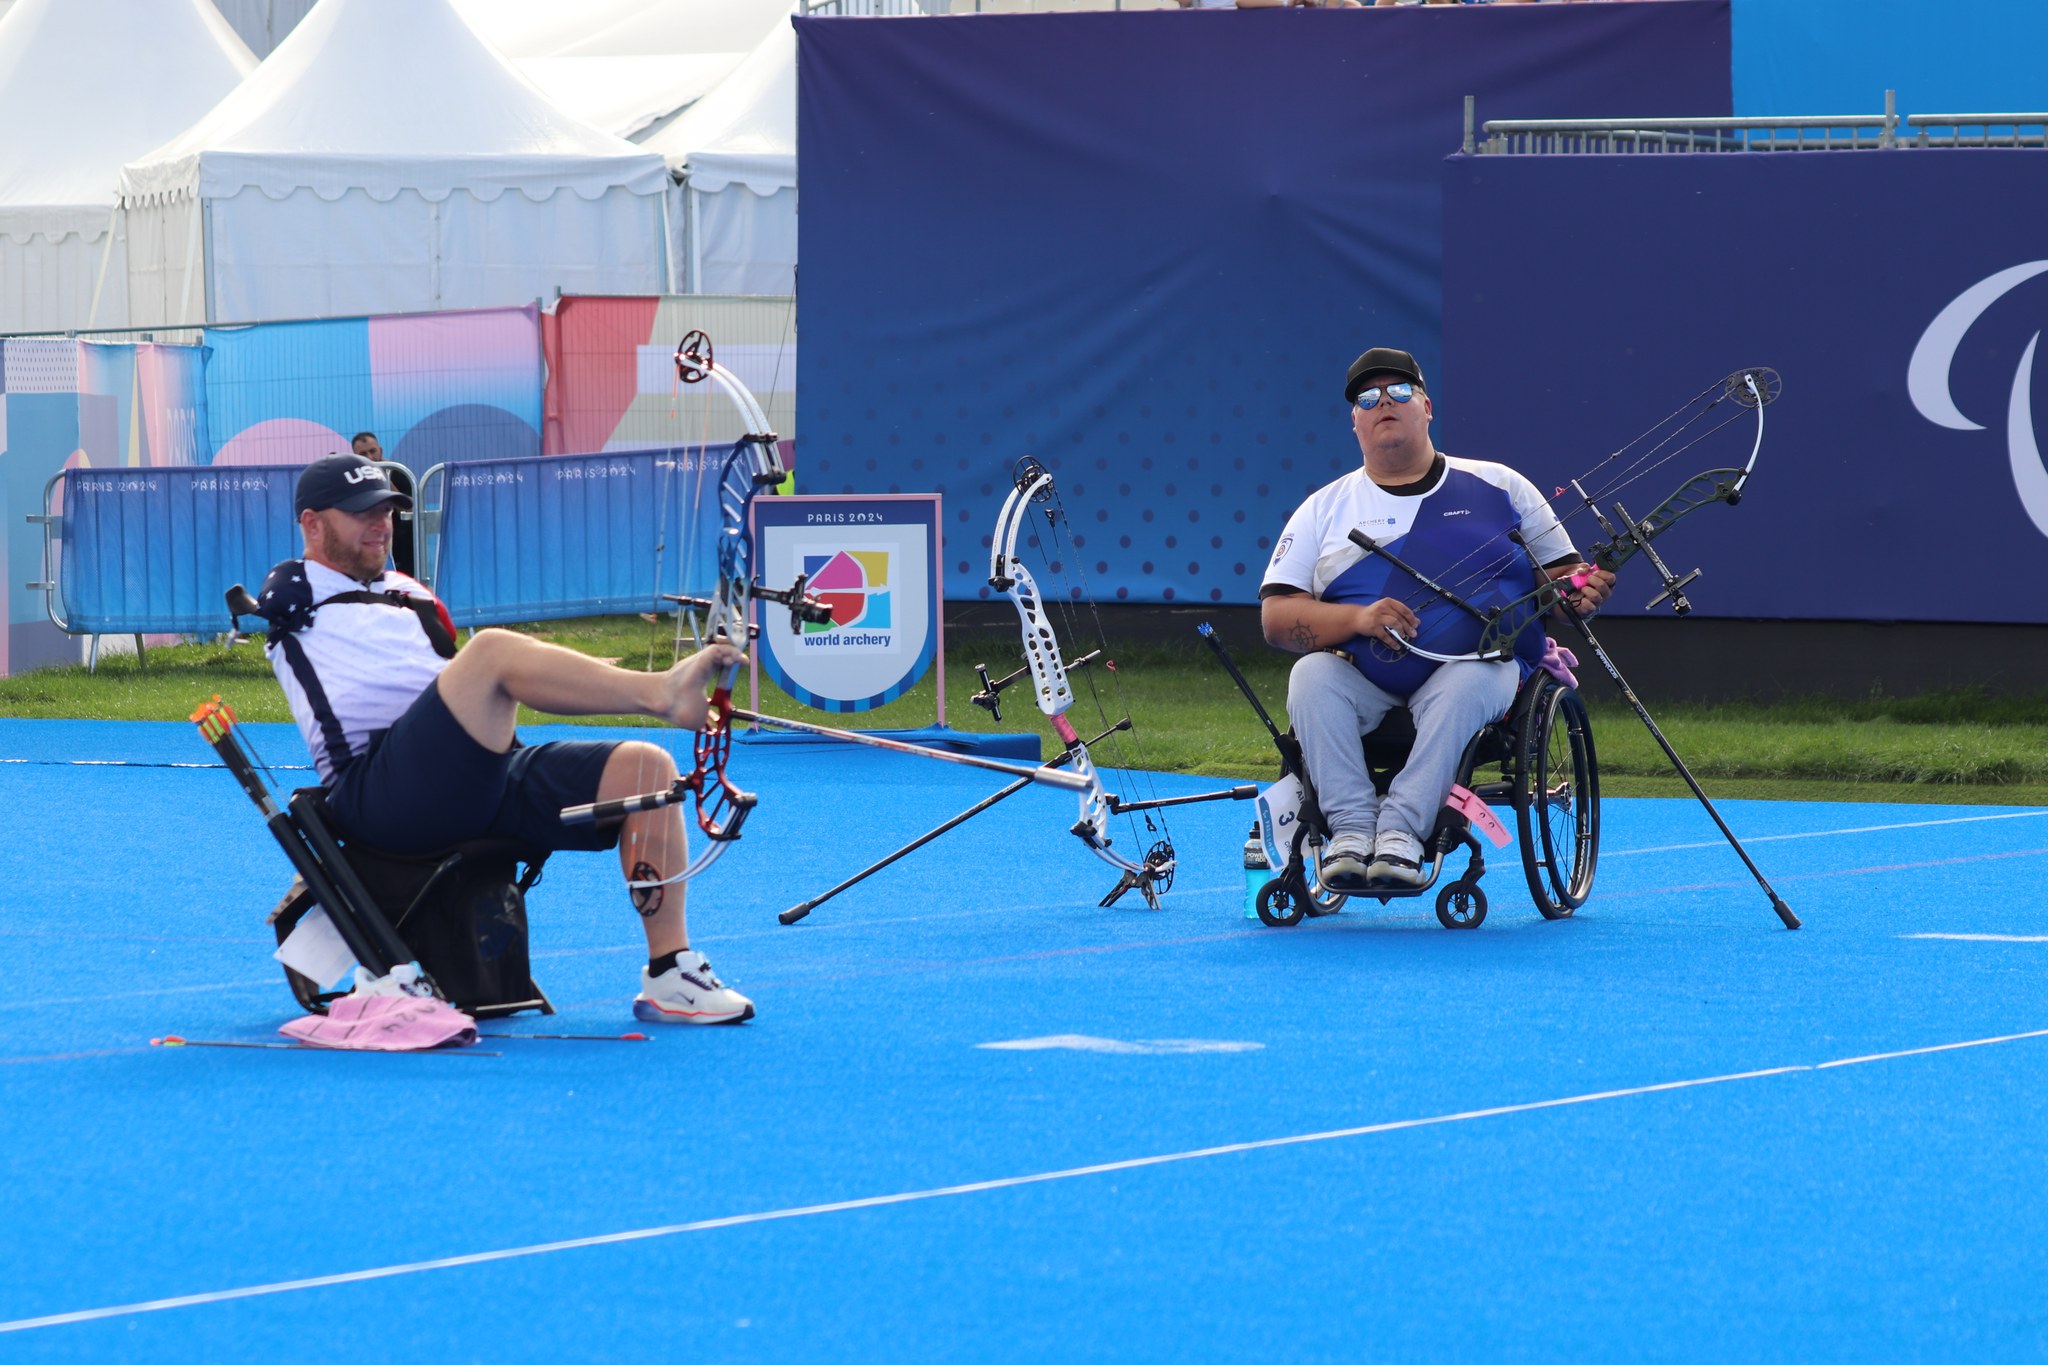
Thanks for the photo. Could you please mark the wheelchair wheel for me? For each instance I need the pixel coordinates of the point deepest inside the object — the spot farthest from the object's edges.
(1279, 906)
(1461, 906)
(1557, 802)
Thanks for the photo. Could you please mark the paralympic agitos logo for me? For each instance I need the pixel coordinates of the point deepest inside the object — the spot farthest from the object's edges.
(1927, 382)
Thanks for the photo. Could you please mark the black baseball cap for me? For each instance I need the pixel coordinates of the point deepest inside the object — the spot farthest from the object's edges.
(349, 482)
(1381, 360)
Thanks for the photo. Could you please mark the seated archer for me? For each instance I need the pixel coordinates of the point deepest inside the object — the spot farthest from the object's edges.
(1363, 625)
(415, 741)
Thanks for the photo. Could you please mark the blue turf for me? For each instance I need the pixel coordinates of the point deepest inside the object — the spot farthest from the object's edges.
(1882, 1210)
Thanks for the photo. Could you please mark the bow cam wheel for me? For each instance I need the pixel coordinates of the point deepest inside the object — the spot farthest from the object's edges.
(1278, 906)
(1768, 386)
(1027, 472)
(1159, 867)
(1459, 906)
(693, 357)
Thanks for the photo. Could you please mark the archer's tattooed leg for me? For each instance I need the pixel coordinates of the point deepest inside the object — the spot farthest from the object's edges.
(647, 899)
(1304, 639)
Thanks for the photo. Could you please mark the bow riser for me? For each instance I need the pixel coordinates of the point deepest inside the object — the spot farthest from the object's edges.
(1051, 688)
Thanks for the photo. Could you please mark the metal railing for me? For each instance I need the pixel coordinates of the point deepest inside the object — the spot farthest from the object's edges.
(1578, 137)
(1986, 124)
(1814, 133)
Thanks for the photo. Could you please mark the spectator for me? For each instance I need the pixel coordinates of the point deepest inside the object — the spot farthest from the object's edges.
(366, 444)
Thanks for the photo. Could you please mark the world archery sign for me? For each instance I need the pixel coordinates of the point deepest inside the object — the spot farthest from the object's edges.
(874, 561)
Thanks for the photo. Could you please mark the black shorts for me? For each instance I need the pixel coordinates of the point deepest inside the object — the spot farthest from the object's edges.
(424, 785)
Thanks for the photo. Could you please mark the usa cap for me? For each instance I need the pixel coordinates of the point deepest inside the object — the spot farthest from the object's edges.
(348, 482)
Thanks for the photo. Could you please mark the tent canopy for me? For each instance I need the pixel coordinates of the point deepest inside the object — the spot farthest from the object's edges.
(744, 131)
(622, 28)
(164, 64)
(384, 159)
(628, 95)
(385, 96)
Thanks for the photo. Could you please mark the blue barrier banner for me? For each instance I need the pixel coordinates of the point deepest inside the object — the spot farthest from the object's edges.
(1900, 294)
(875, 562)
(1144, 247)
(152, 550)
(540, 538)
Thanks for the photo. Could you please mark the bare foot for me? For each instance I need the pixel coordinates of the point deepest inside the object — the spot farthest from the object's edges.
(686, 704)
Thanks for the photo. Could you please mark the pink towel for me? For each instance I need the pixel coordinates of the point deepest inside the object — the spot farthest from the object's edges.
(1559, 662)
(385, 1023)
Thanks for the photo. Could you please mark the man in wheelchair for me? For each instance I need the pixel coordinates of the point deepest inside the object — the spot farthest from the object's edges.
(1366, 629)
(415, 743)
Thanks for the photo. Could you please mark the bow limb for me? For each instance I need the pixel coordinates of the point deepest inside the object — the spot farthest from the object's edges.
(1050, 687)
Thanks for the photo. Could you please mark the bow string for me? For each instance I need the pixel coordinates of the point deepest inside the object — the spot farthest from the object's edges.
(1151, 874)
(1623, 536)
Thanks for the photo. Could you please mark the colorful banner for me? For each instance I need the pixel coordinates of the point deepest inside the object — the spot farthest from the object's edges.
(875, 561)
(433, 387)
(612, 382)
(68, 404)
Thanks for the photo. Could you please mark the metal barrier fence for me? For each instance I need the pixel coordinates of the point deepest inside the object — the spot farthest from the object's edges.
(547, 537)
(128, 551)
(1822, 133)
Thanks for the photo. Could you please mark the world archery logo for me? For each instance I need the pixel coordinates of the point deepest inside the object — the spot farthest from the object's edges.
(854, 584)
(1927, 382)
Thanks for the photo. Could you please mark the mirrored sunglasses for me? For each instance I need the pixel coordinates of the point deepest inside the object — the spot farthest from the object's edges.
(1368, 399)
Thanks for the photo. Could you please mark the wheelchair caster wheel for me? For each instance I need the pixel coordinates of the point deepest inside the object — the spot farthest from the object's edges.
(1278, 906)
(1459, 906)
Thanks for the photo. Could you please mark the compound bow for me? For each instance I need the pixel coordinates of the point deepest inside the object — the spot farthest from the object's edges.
(752, 465)
(1625, 536)
(1755, 388)
(1151, 875)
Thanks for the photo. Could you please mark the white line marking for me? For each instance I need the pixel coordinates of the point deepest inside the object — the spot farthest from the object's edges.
(1938, 1047)
(1985, 938)
(949, 1191)
(1829, 833)
(1081, 1042)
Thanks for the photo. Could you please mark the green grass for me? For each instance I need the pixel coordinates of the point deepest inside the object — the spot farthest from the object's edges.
(1963, 747)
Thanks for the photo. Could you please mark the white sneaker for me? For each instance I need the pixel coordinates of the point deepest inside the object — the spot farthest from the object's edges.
(1396, 857)
(1342, 864)
(688, 993)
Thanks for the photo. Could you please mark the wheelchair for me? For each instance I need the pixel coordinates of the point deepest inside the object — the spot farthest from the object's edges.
(459, 913)
(1548, 775)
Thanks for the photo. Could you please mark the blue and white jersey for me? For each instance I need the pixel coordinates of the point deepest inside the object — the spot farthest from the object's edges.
(369, 661)
(1452, 526)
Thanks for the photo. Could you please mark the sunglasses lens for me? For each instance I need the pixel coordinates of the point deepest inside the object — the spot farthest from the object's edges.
(1369, 399)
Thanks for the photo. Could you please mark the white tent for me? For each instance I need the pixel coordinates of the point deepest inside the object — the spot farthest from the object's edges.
(628, 95)
(627, 66)
(682, 26)
(86, 85)
(385, 159)
(542, 28)
(736, 152)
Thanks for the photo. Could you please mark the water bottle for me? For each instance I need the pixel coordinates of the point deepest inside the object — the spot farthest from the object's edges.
(1257, 872)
